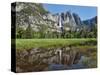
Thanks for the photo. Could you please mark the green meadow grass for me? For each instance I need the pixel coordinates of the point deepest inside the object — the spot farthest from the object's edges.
(22, 44)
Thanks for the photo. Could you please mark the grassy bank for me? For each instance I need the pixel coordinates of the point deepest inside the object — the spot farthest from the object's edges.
(45, 43)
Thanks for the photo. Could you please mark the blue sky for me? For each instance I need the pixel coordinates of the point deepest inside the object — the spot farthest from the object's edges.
(84, 12)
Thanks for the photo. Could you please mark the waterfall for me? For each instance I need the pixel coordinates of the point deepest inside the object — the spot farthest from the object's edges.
(60, 23)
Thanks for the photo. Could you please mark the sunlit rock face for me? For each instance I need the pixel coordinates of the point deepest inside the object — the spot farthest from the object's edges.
(37, 17)
(77, 19)
(31, 14)
(69, 21)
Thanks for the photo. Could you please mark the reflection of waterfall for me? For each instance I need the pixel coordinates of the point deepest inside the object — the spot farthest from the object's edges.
(59, 55)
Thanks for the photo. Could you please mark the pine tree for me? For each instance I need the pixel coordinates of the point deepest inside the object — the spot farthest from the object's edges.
(29, 32)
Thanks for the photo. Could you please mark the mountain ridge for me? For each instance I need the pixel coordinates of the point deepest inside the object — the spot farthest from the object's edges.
(36, 18)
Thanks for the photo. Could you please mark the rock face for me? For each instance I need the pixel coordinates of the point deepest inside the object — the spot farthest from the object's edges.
(77, 19)
(91, 21)
(37, 17)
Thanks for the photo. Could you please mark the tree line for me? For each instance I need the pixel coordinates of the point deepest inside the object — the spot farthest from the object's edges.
(42, 33)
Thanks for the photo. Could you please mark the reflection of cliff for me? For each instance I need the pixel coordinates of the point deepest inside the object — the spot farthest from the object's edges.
(44, 59)
(36, 58)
